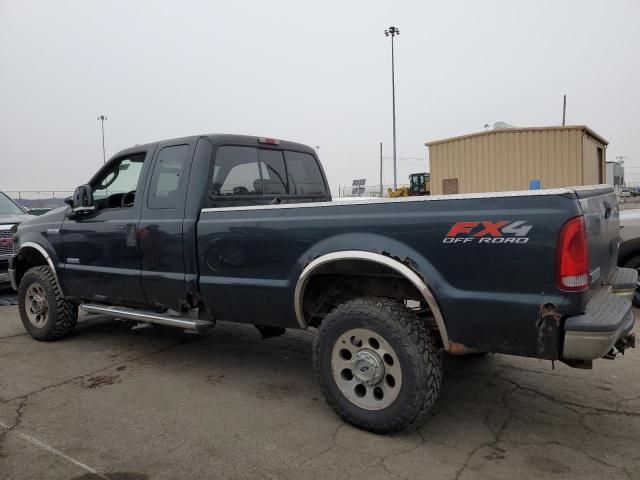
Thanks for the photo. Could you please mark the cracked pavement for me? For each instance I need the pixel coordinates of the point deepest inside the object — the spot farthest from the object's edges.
(110, 403)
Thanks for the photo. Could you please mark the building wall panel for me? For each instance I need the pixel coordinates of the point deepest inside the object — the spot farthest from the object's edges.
(508, 160)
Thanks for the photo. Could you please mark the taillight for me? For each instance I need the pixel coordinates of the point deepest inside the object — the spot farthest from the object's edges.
(572, 258)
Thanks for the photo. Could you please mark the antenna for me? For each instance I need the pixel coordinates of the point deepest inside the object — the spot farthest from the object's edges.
(381, 187)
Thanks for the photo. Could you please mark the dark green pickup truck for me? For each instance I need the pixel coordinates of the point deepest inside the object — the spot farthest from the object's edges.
(189, 231)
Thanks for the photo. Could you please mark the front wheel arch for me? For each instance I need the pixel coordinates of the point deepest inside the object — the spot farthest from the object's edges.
(30, 255)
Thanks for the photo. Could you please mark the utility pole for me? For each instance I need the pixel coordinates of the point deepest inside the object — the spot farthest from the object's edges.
(102, 118)
(392, 32)
(564, 110)
(381, 186)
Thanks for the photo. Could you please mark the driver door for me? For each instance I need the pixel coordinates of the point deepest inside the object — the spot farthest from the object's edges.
(100, 250)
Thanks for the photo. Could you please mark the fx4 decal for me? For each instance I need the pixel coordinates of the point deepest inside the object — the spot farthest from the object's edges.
(501, 231)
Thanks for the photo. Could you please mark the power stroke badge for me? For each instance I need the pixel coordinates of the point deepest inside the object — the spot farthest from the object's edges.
(485, 231)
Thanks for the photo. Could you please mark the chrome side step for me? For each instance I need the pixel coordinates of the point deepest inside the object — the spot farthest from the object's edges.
(150, 317)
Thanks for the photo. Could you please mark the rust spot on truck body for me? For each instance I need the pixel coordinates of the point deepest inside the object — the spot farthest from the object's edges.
(407, 261)
(548, 328)
(456, 348)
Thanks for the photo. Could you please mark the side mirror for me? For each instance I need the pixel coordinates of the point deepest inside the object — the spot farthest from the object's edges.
(82, 201)
(69, 201)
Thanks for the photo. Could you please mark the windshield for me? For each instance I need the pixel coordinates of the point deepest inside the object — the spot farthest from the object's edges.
(7, 207)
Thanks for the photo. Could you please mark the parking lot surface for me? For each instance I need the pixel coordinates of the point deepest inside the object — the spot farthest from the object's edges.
(157, 403)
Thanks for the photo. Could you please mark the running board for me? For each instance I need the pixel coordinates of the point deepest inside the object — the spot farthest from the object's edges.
(149, 317)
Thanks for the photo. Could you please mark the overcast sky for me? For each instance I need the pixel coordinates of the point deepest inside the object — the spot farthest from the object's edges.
(314, 72)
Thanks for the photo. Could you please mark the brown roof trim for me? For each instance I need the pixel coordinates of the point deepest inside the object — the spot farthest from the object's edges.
(583, 128)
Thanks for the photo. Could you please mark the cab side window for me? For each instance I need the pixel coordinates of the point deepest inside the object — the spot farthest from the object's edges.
(165, 181)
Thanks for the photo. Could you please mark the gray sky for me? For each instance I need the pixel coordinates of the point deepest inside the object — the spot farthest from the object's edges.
(317, 73)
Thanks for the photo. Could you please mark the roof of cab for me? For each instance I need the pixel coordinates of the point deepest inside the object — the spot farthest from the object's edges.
(223, 138)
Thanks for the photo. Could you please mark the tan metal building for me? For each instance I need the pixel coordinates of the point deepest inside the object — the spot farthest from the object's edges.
(517, 159)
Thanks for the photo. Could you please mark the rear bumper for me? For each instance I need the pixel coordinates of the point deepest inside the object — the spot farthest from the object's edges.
(624, 282)
(607, 320)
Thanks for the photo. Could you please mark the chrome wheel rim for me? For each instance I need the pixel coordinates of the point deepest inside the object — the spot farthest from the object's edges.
(36, 305)
(366, 369)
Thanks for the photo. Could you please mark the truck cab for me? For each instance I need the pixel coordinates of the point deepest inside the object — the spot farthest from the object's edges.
(133, 242)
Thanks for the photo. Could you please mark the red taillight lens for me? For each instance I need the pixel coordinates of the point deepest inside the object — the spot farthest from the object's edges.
(572, 259)
(269, 141)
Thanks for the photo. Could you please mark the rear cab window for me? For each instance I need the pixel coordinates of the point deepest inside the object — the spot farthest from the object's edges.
(246, 175)
(304, 174)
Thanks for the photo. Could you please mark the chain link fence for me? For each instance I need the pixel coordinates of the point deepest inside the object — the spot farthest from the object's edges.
(368, 191)
(39, 201)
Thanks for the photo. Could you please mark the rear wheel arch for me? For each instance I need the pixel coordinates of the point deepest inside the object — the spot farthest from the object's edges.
(628, 250)
(418, 282)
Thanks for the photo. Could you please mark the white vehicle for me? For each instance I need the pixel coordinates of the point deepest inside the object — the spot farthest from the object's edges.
(629, 253)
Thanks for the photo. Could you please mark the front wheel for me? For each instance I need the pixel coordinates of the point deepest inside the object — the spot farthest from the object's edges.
(45, 314)
(377, 364)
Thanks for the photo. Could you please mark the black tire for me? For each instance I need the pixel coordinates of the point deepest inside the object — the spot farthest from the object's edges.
(61, 316)
(635, 264)
(416, 350)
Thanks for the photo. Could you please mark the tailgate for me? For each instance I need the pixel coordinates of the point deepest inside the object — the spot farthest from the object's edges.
(600, 210)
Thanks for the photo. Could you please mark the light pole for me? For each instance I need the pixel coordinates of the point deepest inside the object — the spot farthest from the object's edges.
(102, 118)
(392, 32)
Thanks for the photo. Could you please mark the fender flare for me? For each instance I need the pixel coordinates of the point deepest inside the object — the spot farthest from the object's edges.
(45, 254)
(415, 279)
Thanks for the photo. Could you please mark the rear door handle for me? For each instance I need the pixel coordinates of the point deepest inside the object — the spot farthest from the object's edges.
(131, 234)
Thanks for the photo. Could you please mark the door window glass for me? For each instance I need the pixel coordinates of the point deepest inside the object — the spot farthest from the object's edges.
(120, 179)
(166, 177)
(304, 174)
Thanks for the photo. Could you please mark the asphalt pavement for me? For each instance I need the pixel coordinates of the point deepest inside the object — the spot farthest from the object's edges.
(157, 403)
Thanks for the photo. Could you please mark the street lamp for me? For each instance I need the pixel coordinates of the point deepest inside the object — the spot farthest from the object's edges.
(392, 32)
(102, 118)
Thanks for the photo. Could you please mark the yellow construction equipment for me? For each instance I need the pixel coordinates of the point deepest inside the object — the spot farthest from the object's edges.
(419, 184)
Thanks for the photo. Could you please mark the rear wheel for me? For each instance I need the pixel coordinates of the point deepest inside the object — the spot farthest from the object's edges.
(377, 364)
(45, 314)
(635, 264)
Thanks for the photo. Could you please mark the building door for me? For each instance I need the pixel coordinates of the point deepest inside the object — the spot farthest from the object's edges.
(449, 186)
